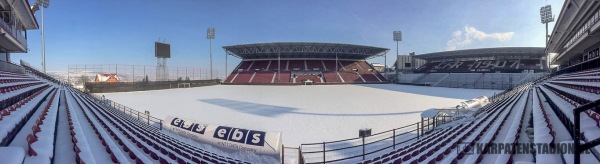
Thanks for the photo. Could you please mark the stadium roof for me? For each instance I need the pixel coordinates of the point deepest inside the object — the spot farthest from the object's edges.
(575, 30)
(303, 50)
(485, 52)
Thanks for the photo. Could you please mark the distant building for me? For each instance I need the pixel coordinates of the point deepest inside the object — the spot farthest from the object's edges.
(107, 78)
(377, 66)
(406, 63)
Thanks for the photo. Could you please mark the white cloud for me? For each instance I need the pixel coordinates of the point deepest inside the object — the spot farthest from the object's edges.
(464, 38)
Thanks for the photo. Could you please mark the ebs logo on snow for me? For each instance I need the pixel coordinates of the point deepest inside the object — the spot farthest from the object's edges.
(244, 136)
(190, 126)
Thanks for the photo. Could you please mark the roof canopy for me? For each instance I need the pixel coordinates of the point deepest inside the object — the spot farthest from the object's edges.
(526, 51)
(303, 50)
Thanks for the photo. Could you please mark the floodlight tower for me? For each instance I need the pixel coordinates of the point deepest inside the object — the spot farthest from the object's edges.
(546, 17)
(397, 39)
(41, 4)
(210, 35)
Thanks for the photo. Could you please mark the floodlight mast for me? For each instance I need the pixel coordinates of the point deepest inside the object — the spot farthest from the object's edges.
(397, 38)
(546, 17)
(210, 35)
(41, 5)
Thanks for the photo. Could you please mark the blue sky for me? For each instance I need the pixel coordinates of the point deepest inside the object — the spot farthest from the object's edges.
(124, 31)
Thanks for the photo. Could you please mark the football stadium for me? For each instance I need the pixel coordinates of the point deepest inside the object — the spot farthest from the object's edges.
(271, 96)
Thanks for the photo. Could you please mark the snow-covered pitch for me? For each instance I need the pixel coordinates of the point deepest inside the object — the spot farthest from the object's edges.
(304, 114)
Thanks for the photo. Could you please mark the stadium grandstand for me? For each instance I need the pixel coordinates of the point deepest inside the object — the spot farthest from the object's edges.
(487, 68)
(301, 62)
(16, 19)
(557, 109)
(574, 38)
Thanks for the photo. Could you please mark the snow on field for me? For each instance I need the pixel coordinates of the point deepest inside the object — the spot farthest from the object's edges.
(304, 114)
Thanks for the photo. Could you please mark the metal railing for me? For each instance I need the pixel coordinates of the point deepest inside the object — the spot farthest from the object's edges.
(579, 148)
(361, 148)
(141, 116)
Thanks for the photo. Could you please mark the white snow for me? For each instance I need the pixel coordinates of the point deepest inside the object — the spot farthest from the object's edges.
(12, 154)
(429, 113)
(304, 114)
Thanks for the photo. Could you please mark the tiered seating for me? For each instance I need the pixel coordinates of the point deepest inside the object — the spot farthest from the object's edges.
(582, 86)
(473, 80)
(160, 147)
(513, 135)
(450, 66)
(5, 88)
(5, 80)
(83, 153)
(283, 77)
(427, 67)
(351, 77)
(230, 77)
(244, 65)
(260, 65)
(551, 105)
(314, 65)
(330, 65)
(17, 109)
(40, 142)
(326, 68)
(263, 77)
(93, 132)
(440, 146)
(276, 64)
(369, 77)
(243, 77)
(531, 64)
(350, 65)
(296, 65)
(502, 65)
(127, 151)
(331, 77)
(563, 95)
(509, 65)
(383, 79)
(364, 65)
(544, 129)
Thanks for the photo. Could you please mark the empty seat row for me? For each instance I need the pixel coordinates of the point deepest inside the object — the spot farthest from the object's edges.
(14, 117)
(165, 146)
(264, 72)
(11, 88)
(15, 80)
(430, 150)
(83, 153)
(41, 140)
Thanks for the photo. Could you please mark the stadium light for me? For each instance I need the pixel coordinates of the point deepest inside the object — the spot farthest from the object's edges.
(397, 38)
(546, 17)
(41, 4)
(210, 35)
